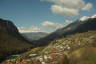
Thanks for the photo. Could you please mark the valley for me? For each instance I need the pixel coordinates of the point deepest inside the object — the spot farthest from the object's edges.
(73, 46)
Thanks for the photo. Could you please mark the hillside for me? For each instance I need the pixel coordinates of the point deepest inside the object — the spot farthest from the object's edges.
(78, 47)
(73, 28)
(64, 46)
(74, 49)
(11, 42)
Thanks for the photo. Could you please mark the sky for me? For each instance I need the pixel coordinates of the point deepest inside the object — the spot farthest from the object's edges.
(45, 15)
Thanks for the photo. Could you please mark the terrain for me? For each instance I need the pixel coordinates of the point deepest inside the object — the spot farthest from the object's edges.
(77, 26)
(74, 49)
(11, 42)
(64, 46)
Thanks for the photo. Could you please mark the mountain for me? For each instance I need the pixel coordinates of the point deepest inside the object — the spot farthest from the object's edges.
(78, 48)
(11, 42)
(34, 35)
(73, 44)
(78, 26)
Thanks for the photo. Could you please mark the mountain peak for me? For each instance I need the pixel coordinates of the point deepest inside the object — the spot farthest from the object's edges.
(84, 18)
(94, 16)
(7, 26)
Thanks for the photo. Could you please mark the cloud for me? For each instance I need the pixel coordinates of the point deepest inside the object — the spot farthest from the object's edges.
(68, 3)
(68, 12)
(29, 29)
(67, 22)
(84, 18)
(69, 8)
(87, 7)
(52, 24)
(32, 29)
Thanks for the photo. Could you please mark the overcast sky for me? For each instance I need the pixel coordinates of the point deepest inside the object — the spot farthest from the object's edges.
(45, 15)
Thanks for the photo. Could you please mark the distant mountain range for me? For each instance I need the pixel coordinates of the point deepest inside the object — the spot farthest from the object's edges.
(79, 26)
(11, 42)
(34, 35)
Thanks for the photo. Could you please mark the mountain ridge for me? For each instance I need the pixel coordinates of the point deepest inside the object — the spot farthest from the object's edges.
(11, 42)
(75, 27)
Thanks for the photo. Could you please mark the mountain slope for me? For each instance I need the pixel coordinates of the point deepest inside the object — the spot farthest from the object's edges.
(74, 49)
(11, 42)
(85, 55)
(75, 27)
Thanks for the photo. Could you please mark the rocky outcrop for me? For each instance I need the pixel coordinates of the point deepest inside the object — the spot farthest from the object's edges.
(7, 26)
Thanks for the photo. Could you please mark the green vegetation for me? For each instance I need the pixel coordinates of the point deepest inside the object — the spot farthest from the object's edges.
(86, 55)
(79, 48)
(11, 42)
(10, 45)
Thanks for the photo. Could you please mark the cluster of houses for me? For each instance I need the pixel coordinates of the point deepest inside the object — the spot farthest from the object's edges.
(59, 49)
